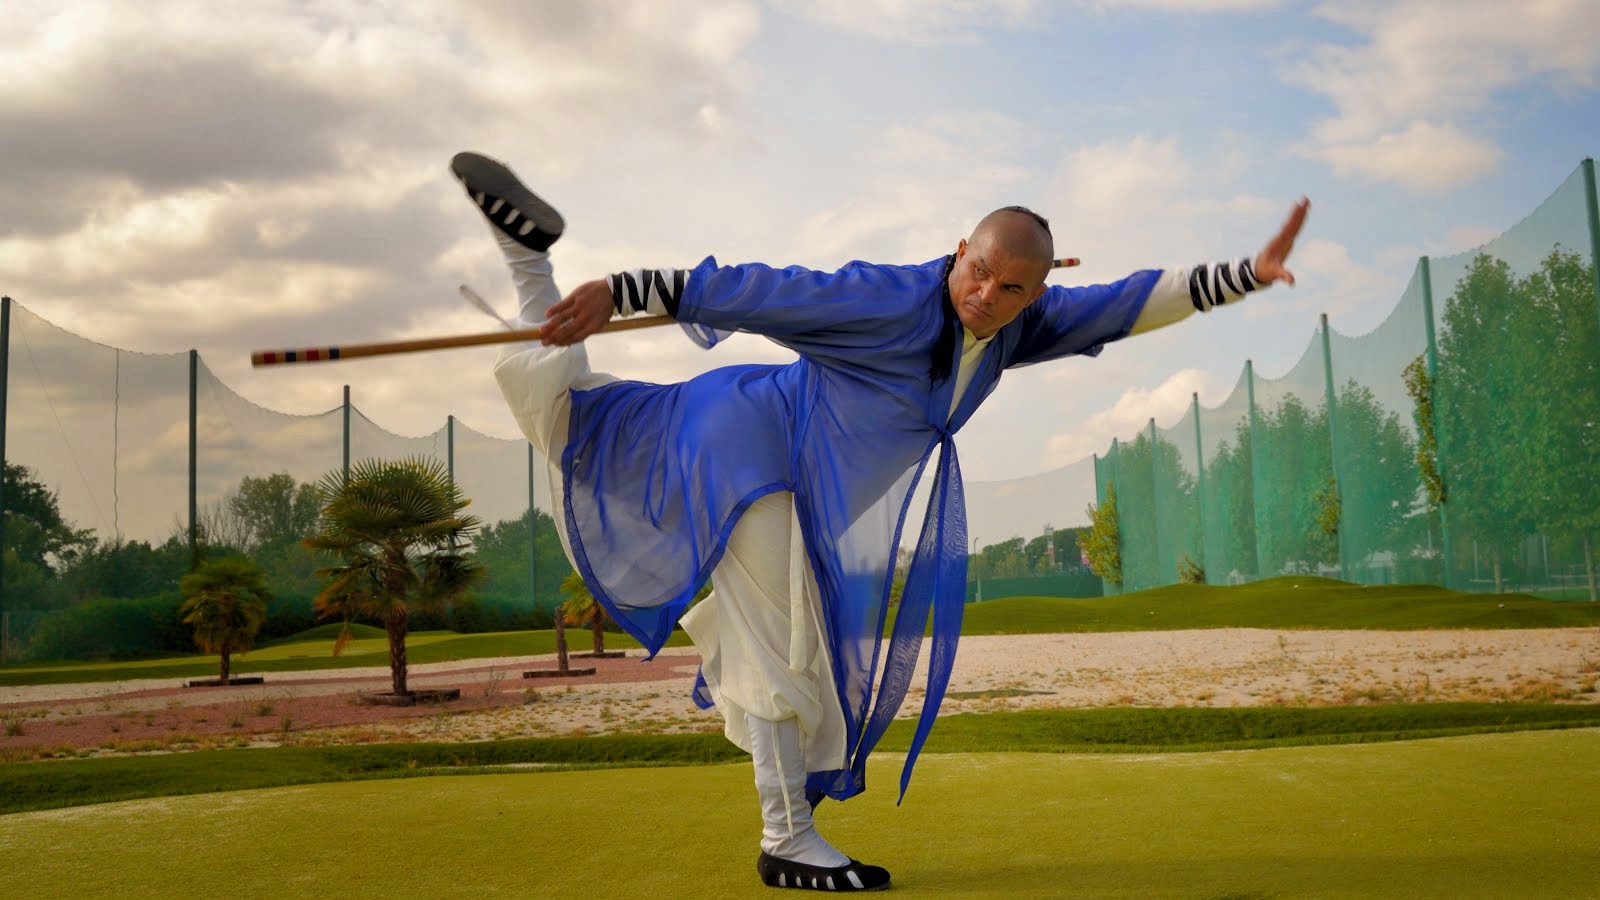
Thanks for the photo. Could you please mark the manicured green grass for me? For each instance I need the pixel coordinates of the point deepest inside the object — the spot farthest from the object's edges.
(40, 785)
(1494, 815)
(1292, 602)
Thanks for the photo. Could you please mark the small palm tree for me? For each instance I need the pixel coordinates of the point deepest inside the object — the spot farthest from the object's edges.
(580, 607)
(226, 602)
(397, 526)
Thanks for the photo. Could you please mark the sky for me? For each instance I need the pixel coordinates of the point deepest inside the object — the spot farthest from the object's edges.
(240, 176)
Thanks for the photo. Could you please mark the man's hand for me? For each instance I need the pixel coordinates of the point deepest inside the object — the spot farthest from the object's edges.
(579, 314)
(1269, 262)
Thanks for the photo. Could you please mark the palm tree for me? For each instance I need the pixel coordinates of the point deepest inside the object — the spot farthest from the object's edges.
(396, 524)
(226, 602)
(580, 606)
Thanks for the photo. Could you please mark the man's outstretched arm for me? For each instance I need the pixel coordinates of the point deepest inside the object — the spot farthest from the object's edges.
(1080, 320)
(1184, 291)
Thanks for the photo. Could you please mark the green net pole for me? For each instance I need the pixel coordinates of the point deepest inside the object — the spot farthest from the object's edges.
(5, 370)
(1333, 445)
(1592, 201)
(1199, 479)
(1425, 269)
(1155, 504)
(532, 543)
(1255, 461)
(194, 468)
(450, 447)
(347, 434)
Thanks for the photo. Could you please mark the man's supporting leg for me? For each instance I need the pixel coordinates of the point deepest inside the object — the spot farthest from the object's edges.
(787, 830)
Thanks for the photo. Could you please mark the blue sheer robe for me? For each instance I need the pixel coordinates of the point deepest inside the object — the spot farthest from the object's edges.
(657, 475)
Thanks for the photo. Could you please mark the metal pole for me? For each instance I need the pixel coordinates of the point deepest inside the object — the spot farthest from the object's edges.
(194, 445)
(1255, 465)
(450, 447)
(347, 434)
(979, 598)
(1200, 483)
(533, 544)
(1333, 443)
(1425, 270)
(1155, 504)
(5, 369)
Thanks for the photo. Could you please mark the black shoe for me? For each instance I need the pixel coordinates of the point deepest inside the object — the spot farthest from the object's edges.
(782, 873)
(507, 203)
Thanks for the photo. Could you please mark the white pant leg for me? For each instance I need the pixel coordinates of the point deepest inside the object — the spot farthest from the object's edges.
(762, 647)
(537, 381)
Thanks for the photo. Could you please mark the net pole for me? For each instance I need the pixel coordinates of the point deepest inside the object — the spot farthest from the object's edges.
(1592, 203)
(1333, 443)
(346, 434)
(1199, 482)
(194, 452)
(1446, 549)
(1155, 502)
(532, 543)
(1116, 481)
(5, 370)
(1255, 463)
(450, 447)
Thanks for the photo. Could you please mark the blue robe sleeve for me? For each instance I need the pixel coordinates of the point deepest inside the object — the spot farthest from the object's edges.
(806, 310)
(1072, 321)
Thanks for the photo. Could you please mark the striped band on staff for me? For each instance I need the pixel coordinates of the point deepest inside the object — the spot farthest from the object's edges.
(312, 354)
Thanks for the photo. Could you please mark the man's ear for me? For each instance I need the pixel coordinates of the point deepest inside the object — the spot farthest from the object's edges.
(1038, 292)
(961, 249)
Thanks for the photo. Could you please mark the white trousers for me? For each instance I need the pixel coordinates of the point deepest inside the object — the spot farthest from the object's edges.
(759, 633)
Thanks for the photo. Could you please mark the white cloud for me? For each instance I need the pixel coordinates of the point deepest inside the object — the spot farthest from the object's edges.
(917, 21)
(1414, 102)
(1422, 157)
(1132, 411)
(1189, 6)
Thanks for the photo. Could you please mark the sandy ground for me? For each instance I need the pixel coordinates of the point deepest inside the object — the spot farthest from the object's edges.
(1222, 667)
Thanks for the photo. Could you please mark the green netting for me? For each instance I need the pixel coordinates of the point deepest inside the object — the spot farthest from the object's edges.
(518, 548)
(1388, 531)
(1133, 471)
(1227, 495)
(1177, 496)
(1294, 469)
(1516, 403)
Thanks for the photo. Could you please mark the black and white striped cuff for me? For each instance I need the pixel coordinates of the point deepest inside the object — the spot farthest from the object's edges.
(1214, 284)
(653, 291)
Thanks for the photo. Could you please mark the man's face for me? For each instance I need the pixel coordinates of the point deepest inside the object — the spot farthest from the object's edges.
(989, 286)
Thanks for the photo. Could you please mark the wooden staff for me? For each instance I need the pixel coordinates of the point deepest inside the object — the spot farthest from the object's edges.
(384, 348)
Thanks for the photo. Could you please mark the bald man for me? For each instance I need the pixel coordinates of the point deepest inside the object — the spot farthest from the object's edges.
(788, 487)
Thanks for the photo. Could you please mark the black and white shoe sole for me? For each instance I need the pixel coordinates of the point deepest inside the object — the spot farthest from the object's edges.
(507, 203)
(850, 878)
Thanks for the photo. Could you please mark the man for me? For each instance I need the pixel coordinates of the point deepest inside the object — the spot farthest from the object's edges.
(789, 486)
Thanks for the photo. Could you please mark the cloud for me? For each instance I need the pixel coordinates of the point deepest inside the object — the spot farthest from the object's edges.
(1188, 6)
(917, 21)
(1415, 102)
(1132, 412)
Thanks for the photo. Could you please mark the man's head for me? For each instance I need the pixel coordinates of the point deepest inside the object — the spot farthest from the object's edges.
(1000, 269)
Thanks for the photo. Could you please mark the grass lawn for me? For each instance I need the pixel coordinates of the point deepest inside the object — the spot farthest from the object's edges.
(1296, 602)
(1292, 602)
(1484, 815)
(59, 783)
